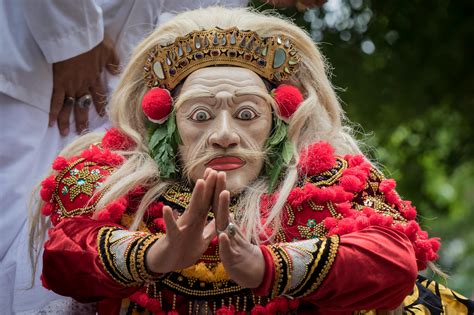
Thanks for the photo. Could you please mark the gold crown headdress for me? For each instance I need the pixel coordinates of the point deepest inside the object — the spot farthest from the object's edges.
(274, 58)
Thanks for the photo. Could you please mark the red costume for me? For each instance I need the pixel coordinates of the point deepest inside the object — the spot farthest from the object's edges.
(347, 243)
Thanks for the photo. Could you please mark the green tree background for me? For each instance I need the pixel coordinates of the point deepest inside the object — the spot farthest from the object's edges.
(405, 75)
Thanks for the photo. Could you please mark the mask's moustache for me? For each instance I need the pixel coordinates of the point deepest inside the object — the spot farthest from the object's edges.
(204, 156)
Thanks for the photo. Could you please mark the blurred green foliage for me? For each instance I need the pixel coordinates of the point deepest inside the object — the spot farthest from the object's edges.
(405, 73)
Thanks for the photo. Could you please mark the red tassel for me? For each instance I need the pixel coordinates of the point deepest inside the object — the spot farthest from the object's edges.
(258, 310)
(271, 307)
(155, 210)
(160, 224)
(114, 211)
(156, 105)
(115, 140)
(60, 163)
(317, 158)
(351, 183)
(282, 305)
(48, 186)
(102, 156)
(226, 310)
(47, 209)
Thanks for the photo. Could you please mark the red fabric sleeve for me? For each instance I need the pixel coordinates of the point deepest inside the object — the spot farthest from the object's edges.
(375, 268)
(72, 266)
(268, 277)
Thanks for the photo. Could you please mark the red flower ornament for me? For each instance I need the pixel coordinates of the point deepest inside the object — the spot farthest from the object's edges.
(288, 98)
(156, 105)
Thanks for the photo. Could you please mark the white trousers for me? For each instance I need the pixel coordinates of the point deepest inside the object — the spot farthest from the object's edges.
(27, 148)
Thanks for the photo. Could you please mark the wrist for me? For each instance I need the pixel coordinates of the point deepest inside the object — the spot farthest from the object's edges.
(154, 259)
(266, 284)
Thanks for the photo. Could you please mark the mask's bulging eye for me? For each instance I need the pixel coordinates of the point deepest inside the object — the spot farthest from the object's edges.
(200, 115)
(246, 114)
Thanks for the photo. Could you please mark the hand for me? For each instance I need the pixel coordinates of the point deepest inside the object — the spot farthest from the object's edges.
(77, 77)
(242, 260)
(188, 237)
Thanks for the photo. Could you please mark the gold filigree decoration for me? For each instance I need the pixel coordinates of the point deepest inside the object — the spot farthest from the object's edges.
(81, 181)
(274, 58)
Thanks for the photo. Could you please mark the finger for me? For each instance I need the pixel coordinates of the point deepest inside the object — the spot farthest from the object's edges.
(206, 172)
(113, 62)
(63, 119)
(170, 222)
(57, 102)
(209, 184)
(220, 186)
(209, 231)
(225, 248)
(81, 115)
(222, 215)
(209, 189)
(196, 211)
(175, 214)
(99, 96)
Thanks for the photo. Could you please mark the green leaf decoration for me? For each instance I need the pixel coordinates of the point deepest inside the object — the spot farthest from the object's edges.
(287, 152)
(158, 135)
(279, 150)
(163, 143)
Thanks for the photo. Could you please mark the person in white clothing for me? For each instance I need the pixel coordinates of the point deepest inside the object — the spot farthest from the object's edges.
(55, 57)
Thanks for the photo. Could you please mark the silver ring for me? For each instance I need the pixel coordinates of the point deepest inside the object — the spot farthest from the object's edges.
(230, 230)
(69, 101)
(84, 101)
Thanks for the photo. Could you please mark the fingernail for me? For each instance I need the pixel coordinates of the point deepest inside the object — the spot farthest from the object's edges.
(65, 132)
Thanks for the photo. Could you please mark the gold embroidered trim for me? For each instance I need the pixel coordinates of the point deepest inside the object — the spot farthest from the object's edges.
(66, 213)
(122, 254)
(301, 267)
(328, 177)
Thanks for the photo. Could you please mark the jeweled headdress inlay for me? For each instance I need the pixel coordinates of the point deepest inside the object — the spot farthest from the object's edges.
(274, 58)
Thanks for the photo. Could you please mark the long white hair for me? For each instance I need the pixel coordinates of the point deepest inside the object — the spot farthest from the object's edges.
(319, 117)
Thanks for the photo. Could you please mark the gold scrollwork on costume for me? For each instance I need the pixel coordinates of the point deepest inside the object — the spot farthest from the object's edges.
(301, 267)
(122, 254)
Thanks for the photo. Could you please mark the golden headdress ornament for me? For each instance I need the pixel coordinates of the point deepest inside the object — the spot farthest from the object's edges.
(273, 58)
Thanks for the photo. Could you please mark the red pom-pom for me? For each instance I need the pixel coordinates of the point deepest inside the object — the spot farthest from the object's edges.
(258, 310)
(47, 209)
(316, 158)
(160, 224)
(387, 185)
(155, 210)
(115, 140)
(60, 163)
(288, 99)
(47, 188)
(226, 310)
(156, 105)
(114, 211)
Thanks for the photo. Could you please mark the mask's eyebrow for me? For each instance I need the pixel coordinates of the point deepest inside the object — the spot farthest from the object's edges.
(192, 94)
(254, 91)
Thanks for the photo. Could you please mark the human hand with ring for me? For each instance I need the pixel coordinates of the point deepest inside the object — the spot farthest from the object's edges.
(188, 236)
(242, 260)
(77, 83)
